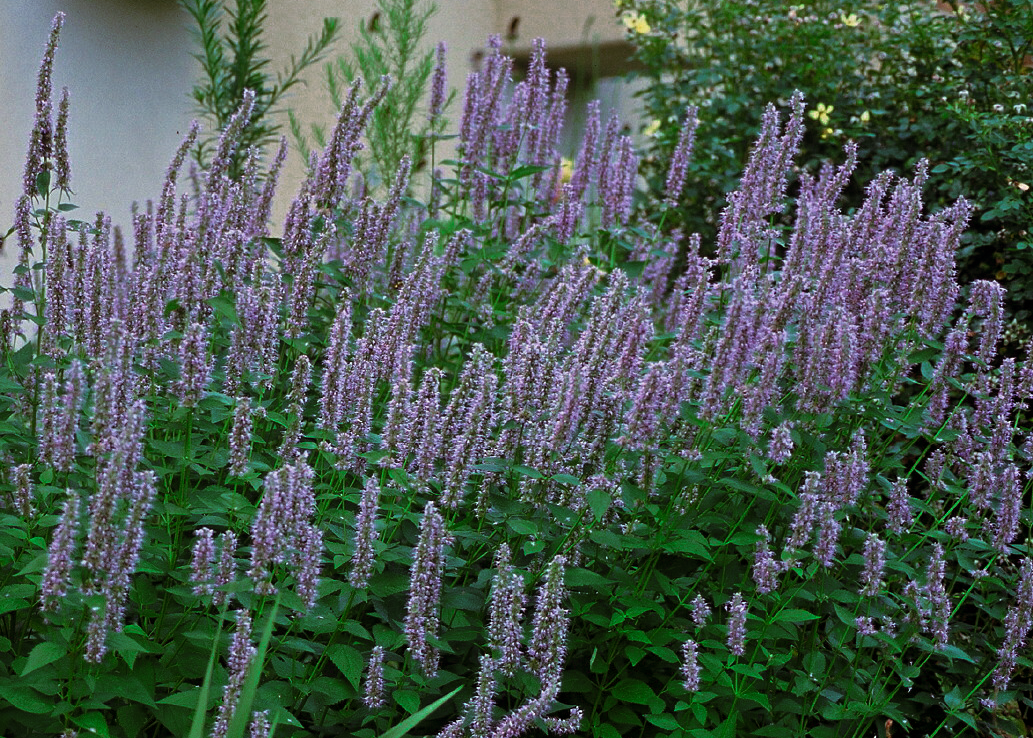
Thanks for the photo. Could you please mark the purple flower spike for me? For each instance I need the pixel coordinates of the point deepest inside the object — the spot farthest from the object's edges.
(690, 666)
(374, 687)
(428, 568)
(898, 510)
(549, 627)
(680, 158)
(736, 608)
(201, 574)
(60, 554)
(365, 535)
(1017, 624)
(700, 611)
(240, 437)
(505, 613)
(242, 652)
(41, 141)
(874, 563)
(765, 568)
(437, 85)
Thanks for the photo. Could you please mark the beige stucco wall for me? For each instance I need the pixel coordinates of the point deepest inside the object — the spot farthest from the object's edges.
(129, 69)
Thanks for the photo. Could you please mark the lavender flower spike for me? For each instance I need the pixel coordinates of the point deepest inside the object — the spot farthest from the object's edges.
(549, 627)
(505, 613)
(428, 566)
(736, 624)
(437, 85)
(54, 586)
(202, 562)
(874, 563)
(374, 696)
(365, 535)
(680, 158)
(690, 666)
(242, 652)
(41, 141)
(765, 568)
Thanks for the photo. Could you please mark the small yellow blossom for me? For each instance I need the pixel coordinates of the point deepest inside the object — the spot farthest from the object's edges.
(865, 117)
(851, 21)
(566, 170)
(636, 22)
(651, 129)
(821, 113)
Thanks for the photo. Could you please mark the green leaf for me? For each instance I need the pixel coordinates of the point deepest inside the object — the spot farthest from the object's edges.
(565, 479)
(94, 723)
(528, 472)
(43, 183)
(348, 660)
(598, 502)
(188, 698)
(413, 720)
(41, 655)
(493, 465)
(10, 604)
(954, 699)
(635, 691)
(664, 721)
(408, 700)
(586, 578)
(24, 698)
(527, 170)
(522, 527)
(793, 616)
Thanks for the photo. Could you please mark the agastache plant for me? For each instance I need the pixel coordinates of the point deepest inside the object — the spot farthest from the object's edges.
(519, 459)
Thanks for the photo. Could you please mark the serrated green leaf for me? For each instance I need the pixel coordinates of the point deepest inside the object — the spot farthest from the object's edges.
(664, 721)
(41, 655)
(408, 700)
(586, 578)
(565, 479)
(793, 616)
(93, 723)
(24, 698)
(348, 660)
(954, 699)
(635, 691)
(598, 502)
(10, 604)
(187, 698)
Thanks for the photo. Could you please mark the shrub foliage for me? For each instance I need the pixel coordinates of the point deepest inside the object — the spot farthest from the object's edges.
(490, 465)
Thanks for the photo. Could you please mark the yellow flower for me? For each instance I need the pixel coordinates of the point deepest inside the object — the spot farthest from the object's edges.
(566, 170)
(852, 21)
(821, 113)
(865, 117)
(652, 128)
(636, 22)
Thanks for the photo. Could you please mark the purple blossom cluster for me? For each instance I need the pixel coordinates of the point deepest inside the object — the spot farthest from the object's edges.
(211, 570)
(363, 558)
(282, 532)
(737, 609)
(793, 318)
(505, 614)
(428, 568)
(238, 662)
